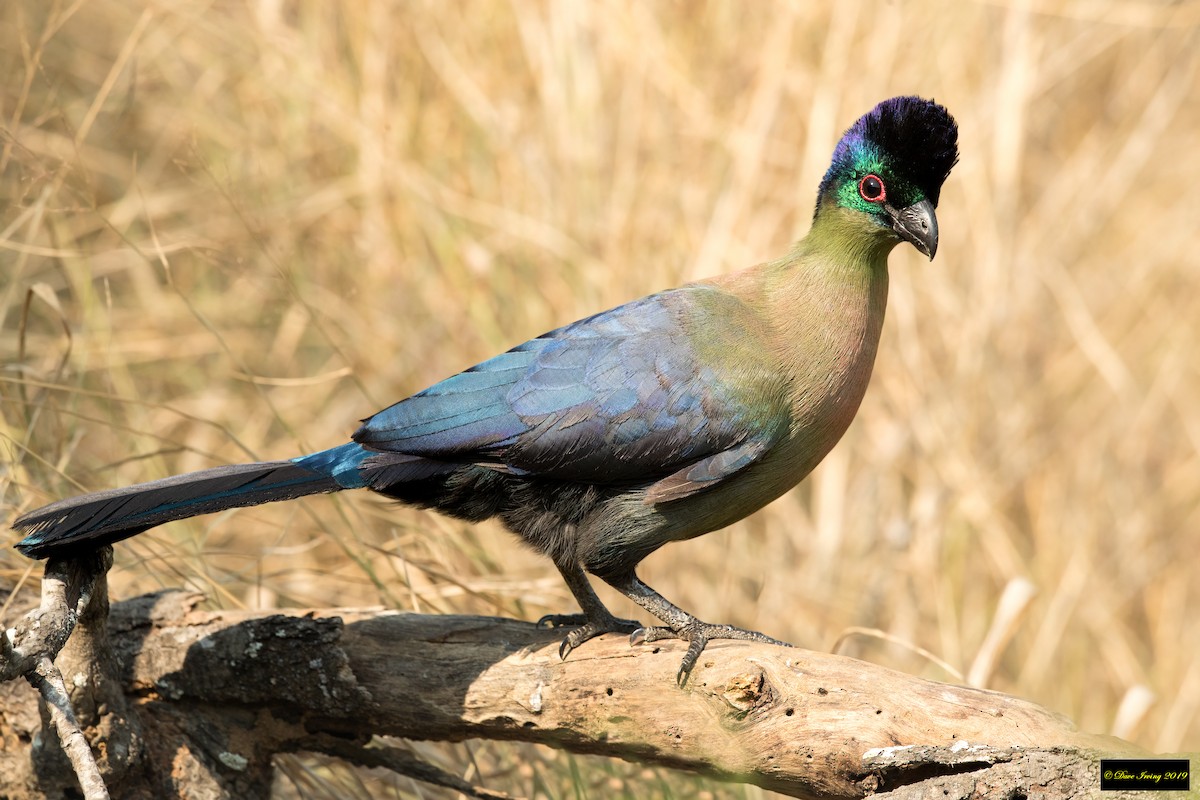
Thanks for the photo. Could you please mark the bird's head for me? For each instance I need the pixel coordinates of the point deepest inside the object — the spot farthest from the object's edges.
(890, 166)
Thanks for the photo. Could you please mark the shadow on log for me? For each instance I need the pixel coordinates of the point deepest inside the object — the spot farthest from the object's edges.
(215, 695)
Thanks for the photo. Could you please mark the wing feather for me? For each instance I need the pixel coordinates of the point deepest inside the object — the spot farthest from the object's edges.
(621, 397)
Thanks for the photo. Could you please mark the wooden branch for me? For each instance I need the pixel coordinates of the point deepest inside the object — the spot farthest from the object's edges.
(48, 680)
(219, 693)
(74, 600)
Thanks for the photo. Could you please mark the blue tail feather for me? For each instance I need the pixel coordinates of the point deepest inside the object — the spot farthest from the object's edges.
(342, 463)
(103, 517)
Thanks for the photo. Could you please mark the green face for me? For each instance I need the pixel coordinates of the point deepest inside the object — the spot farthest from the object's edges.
(866, 184)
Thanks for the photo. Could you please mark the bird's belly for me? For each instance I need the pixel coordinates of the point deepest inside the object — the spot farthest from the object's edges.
(624, 530)
(743, 494)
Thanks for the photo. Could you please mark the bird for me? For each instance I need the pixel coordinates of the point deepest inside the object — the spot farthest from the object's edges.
(657, 421)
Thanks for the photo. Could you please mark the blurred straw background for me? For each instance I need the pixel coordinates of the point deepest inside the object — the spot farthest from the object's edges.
(229, 229)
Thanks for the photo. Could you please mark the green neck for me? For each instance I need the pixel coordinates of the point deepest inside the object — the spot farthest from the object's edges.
(827, 297)
(843, 236)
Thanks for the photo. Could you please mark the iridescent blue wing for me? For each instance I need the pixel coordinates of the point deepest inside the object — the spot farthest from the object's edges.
(639, 394)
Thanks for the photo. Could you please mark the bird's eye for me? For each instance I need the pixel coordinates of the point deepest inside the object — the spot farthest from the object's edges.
(872, 190)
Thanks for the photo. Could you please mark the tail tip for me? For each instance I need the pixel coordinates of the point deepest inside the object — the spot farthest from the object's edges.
(32, 545)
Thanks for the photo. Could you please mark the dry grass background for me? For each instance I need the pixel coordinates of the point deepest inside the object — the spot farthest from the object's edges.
(229, 229)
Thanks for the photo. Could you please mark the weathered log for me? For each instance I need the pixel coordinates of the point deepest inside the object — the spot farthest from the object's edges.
(217, 694)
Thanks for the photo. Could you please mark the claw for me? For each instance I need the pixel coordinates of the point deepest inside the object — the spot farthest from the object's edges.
(565, 648)
(695, 648)
(654, 633)
(587, 629)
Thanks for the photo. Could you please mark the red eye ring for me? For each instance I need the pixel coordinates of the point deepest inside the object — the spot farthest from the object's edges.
(871, 189)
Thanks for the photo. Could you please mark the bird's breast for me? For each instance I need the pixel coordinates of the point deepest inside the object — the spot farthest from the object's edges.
(822, 340)
(835, 337)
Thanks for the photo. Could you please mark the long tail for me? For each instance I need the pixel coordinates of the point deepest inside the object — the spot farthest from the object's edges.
(92, 520)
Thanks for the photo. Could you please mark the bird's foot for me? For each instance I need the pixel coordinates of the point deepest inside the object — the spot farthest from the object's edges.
(586, 628)
(698, 634)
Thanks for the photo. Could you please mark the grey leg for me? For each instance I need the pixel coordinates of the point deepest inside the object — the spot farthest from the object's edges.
(595, 619)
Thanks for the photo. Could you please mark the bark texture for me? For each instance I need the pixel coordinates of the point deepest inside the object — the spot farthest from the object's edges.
(207, 698)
